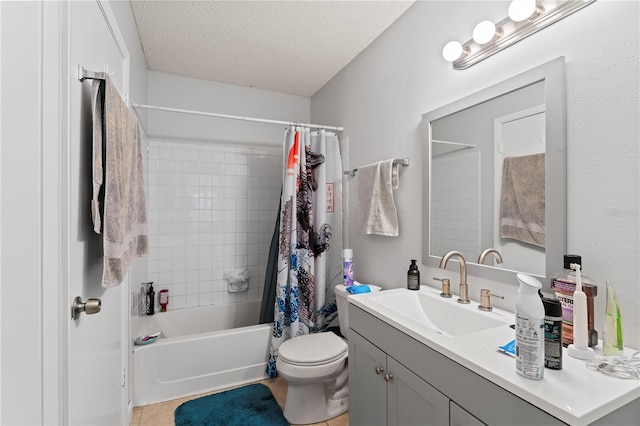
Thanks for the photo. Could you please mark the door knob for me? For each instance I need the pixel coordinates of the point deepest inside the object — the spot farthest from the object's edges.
(379, 370)
(387, 377)
(91, 306)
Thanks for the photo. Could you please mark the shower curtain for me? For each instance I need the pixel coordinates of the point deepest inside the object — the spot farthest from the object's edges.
(309, 244)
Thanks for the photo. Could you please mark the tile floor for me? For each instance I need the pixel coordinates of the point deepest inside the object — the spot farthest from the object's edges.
(162, 413)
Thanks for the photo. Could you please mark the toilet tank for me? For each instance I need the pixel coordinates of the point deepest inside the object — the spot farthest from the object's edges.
(343, 305)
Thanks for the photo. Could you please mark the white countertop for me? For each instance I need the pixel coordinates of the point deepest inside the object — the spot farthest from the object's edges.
(575, 394)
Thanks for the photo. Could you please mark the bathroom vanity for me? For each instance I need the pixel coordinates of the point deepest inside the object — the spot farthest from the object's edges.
(408, 367)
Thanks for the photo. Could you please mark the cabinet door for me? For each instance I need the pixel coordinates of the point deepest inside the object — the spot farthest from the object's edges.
(411, 400)
(458, 416)
(367, 388)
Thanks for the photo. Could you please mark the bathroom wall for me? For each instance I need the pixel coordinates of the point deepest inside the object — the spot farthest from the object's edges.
(174, 91)
(380, 96)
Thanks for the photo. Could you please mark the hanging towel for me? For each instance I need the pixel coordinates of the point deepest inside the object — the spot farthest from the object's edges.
(125, 215)
(522, 202)
(377, 210)
(97, 103)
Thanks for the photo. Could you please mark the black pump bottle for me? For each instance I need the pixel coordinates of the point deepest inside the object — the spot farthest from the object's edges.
(413, 276)
(151, 295)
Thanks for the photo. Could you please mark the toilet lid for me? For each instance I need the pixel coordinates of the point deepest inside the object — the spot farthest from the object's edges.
(312, 349)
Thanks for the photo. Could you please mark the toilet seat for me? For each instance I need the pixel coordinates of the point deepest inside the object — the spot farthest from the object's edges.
(312, 349)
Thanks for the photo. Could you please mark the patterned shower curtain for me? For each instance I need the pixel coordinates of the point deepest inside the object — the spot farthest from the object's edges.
(309, 261)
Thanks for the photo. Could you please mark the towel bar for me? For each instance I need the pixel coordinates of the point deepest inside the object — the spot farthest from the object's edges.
(84, 74)
(400, 161)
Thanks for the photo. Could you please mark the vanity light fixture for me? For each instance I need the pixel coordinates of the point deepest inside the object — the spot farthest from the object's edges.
(520, 10)
(452, 51)
(525, 18)
(484, 32)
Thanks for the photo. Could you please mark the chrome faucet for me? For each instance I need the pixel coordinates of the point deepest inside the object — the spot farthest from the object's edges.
(488, 251)
(464, 289)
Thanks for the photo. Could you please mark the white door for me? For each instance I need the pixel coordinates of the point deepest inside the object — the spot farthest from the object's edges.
(97, 344)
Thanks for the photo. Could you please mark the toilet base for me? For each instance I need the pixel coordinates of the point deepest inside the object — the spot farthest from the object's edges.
(315, 402)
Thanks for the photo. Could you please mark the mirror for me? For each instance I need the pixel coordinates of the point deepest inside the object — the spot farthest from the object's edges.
(495, 176)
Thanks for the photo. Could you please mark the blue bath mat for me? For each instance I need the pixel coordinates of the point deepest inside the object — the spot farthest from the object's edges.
(248, 405)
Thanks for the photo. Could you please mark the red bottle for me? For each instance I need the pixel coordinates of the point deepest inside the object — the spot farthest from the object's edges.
(164, 300)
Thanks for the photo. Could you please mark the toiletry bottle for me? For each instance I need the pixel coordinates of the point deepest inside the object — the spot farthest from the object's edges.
(151, 299)
(413, 276)
(552, 333)
(529, 329)
(164, 300)
(348, 267)
(564, 285)
(612, 333)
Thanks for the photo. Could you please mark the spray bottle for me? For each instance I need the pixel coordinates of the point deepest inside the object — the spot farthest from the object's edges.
(529, 329)
(347, 256)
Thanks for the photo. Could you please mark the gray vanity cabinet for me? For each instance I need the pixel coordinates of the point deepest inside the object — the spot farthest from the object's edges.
(367, 388)
(425, 387)
(388, 392)
(458, 416)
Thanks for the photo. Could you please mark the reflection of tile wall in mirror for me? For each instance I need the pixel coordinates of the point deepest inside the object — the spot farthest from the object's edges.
(455, 203)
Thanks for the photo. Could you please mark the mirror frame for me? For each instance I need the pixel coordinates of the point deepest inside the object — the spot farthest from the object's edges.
(553, 75)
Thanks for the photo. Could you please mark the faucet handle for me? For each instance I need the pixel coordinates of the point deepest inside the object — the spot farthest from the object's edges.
(446, 287)
(485, 299)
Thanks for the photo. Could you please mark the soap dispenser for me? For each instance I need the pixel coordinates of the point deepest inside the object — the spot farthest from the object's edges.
(413, 276)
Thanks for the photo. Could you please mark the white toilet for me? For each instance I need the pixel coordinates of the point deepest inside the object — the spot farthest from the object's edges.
(315, 368)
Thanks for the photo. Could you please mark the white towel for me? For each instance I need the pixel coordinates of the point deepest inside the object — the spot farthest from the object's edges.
(125, 213)
(377, 210)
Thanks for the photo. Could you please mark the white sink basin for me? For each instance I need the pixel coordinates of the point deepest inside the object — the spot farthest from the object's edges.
(425, 309)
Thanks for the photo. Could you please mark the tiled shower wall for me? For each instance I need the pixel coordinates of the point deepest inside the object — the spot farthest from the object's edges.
(211, 210)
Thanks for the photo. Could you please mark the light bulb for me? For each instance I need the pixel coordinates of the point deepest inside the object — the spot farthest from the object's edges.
(452, 51)
(484, 32)
(520, 10)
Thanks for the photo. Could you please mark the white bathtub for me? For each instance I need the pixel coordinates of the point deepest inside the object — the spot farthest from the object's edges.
(194, 357)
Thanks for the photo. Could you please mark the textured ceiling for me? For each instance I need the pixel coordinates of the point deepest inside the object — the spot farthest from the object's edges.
(291, 47)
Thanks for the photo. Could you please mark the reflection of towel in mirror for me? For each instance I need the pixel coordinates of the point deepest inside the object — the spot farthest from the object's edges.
(522, 203)
(378, 214)
(125, 214)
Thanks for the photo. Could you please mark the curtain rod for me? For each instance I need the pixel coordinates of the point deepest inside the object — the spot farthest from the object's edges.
(465, 145)
(235, 117)
(400, 161)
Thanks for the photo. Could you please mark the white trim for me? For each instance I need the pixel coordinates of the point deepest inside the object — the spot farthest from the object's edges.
(112, 24)
(53, 116)
(0, 208)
